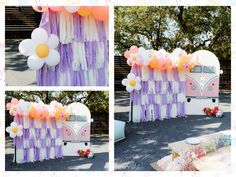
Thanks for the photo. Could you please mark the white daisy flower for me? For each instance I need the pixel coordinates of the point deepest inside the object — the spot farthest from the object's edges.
(132, 82)
(15, 130)
(40, 49)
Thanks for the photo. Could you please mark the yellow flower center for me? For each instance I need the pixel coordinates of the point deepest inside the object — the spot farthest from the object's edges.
(132, 83)
(133, 58)
(42, 50)
(15, 130)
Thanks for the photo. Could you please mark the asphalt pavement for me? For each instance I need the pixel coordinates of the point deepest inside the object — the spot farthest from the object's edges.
(146, 143)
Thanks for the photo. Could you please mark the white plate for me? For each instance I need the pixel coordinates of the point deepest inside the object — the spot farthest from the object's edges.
(192, 141)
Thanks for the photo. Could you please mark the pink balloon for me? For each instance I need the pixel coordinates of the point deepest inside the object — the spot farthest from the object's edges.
(56, 8)
(8, 106)
(133, 49)
(14, 101)
(127, 54)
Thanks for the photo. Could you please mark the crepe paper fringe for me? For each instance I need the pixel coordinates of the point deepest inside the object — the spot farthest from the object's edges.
(84, 51)
(41, 140)
(162, 94)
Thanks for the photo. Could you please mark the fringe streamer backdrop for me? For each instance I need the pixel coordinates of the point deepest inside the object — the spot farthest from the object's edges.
(83, 49)
(162, 94)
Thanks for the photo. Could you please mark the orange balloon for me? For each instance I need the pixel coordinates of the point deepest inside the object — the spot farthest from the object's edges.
(84, 11)
(153, 63)
(32, 112)
(40, 8)
(100, 13)
(180, 67)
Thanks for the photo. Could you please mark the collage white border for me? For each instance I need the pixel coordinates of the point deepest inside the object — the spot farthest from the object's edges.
(111, 3)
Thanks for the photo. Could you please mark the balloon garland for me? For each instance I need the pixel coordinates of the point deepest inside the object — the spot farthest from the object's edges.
(98, 12)
(160, 59)
(39, 110)
(40, 49)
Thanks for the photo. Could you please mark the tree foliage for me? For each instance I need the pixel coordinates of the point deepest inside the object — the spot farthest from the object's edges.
(189, 28)
(97, 101)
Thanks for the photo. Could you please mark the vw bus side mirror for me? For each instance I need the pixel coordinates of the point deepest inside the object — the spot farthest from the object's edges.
(221, 71)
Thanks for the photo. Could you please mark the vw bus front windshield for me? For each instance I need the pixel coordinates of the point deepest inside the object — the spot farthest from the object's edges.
(78, 118)
(209, 69)
(196, 69)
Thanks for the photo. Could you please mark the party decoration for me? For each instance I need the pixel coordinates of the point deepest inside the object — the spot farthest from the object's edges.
(83, 48)
(87, 153)
(40, 49)
(15, 130)
(212, 112)
(161, 59)
(100, 12)
(165, 85)
(132, 82)
(38, 110)
(56, 8)
(40, 8)
(71, 9)
(85, 11)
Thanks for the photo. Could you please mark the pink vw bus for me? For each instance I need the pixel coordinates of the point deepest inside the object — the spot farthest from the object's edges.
(202, 83)
(76, 130)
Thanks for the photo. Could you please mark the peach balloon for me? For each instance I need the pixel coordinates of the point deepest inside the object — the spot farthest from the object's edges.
(127, 54)
(162, 64)
(134, 49)
(100, 13)
(84, 11)
(56, 8)
(14, 101)
(8, 106)
(40, 8)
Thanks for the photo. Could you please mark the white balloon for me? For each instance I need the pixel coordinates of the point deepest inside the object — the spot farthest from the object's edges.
(125, 82)
(35, 62)
(53, 41)
(39, 36)
(72, 9)
(129, 88)
(53, 58)
(26, 47)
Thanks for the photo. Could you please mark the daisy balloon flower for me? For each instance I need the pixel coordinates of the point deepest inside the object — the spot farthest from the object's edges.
(132, 82)
(40, 49)
(15, 130)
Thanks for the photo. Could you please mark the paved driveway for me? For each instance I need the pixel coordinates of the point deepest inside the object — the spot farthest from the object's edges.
(17, 70)
(146, 143)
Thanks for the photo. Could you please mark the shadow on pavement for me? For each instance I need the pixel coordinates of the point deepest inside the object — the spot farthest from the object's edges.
(148, 142)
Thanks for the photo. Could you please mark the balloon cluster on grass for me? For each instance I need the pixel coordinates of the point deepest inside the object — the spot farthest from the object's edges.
(39, 110)
(41, 49)
(98, 12)
(160, 59)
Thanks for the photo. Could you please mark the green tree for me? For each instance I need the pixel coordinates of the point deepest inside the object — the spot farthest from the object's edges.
(190, 28)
